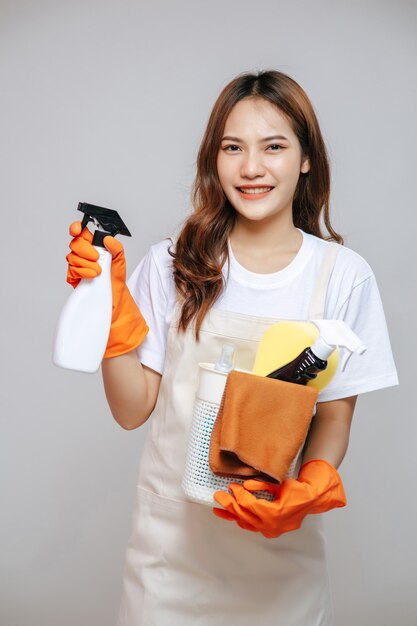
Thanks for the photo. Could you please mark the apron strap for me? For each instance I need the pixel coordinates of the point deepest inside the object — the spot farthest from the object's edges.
(178, 304)
(318, 299)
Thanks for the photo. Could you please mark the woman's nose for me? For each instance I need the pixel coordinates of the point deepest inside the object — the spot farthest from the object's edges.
(252, 165)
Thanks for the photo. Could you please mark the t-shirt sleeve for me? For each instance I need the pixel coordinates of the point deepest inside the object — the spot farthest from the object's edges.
(374, 369)
(147, 287)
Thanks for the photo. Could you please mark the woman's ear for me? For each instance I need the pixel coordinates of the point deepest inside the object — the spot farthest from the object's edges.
(305, 165)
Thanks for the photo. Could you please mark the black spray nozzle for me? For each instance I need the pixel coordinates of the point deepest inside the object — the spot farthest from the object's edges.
(109, 220)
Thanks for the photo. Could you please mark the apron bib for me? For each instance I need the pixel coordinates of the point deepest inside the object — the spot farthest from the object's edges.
(186, 567)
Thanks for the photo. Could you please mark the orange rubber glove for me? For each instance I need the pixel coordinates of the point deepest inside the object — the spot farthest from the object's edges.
(317, 489)
(128, 326)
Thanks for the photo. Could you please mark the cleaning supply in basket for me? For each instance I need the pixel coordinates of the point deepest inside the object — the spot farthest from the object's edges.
(284, 341)
(83, 327)
(199, 483)
(313, 359)
(261, 425)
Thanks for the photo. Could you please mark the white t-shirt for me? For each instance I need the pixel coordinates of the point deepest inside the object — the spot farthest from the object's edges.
(352, 296)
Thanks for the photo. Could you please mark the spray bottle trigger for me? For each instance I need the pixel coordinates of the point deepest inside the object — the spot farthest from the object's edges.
(107, 220)
(344, 359)
(85, 220)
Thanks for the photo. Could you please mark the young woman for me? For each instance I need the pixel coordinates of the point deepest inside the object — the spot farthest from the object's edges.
(252, 253)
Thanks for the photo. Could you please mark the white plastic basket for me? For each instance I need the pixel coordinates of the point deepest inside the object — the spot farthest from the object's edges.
(199, 482)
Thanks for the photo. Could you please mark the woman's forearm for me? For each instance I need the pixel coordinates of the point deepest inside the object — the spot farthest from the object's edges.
(328, 437)
(126, 390)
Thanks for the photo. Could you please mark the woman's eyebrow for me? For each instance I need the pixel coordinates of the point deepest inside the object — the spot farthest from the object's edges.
(260, 141)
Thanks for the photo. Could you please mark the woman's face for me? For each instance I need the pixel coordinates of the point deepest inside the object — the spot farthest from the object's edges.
(259, 160)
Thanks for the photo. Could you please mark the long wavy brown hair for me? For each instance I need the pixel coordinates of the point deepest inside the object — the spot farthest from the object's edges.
(201, 248)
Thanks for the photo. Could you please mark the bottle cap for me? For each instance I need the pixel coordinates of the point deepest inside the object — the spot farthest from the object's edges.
(225, 362)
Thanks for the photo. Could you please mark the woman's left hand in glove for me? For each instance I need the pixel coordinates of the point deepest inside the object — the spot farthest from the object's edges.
(317, 489)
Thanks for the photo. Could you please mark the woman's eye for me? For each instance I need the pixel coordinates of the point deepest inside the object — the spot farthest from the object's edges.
(275, 145)
(227, 147)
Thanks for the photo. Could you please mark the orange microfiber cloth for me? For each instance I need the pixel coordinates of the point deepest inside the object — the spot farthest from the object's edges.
(261, 424)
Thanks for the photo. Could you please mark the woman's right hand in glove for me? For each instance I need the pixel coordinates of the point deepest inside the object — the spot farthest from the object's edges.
(317, 489)
(128, 326)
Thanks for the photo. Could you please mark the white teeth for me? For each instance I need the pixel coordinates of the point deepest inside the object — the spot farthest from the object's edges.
(257, 190)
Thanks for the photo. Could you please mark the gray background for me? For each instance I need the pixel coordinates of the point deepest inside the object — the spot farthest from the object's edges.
(106, 102)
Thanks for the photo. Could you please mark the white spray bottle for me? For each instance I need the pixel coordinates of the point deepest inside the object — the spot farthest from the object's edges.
(84, 324)
(312, 360)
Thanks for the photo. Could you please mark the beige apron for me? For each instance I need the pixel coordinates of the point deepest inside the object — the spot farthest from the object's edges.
(185, 566)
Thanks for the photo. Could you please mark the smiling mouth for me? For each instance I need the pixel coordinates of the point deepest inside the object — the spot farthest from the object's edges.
(254, 190)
